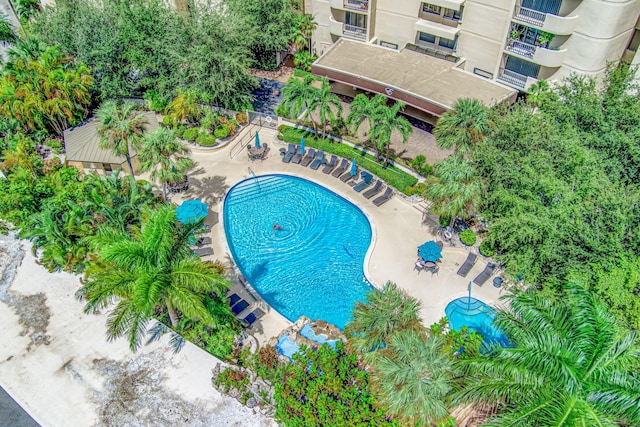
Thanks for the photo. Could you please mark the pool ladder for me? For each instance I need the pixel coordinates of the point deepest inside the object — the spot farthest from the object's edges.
(255, 178)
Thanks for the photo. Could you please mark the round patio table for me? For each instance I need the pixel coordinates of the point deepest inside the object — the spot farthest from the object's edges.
(497, 282)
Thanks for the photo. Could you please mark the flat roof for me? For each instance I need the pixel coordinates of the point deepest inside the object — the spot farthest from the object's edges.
(434, 80)
(81, 142)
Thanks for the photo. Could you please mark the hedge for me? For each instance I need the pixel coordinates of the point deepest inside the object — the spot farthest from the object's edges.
(222, 131)
(190, 134)
(393, 176)
(206, 140)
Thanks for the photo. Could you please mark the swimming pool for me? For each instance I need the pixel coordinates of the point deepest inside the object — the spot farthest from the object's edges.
(313, 265)
(477, 316)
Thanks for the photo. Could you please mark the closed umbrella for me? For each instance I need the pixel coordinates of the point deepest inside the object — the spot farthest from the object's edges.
(191, 211)
(257, 140)
(302, 146)
(430, 251)
(354, 168)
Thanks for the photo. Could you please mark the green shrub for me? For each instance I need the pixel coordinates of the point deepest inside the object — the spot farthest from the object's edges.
(222, 131)
(190, 134)
(154, 101)
(242, 118)
(486, 248)
(419, 164)
(233, 126)
(300, 73)
(283, 111)
(180, 131)
(418, 189)
(444, 221)
(468, 237)
(206, 140)
(231, 379)
(168, 121)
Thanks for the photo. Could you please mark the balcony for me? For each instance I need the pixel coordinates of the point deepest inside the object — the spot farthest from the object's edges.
(448, 55)
(361, 6)
(336, 27)
(359, 33)
(560, 25)
(440, 19)
(536, 54)
(515, 80)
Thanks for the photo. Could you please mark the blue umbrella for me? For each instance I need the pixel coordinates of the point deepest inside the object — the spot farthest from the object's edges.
(430, 251)
(354, 168)
(302, 146)
(257, 140)
(191, 211)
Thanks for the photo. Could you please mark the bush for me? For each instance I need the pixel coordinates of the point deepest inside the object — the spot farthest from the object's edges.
(190, 134)
(231, 379)
(487, 248)
(180, 131)
(418, 189)
(300, 73)
(283, 111)
(468, 237)
(154, 101)
(242, 118)
(222, 132)
(206, 140)
(168, 121)
(233, 126)
(444, 221)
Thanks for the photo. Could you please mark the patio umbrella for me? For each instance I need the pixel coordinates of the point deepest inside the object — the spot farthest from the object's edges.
(354, 168)
(302, 146)
(257, 140)
(191, 211)
(430, 251)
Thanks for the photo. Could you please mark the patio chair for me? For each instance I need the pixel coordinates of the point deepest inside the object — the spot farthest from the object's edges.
(239, 307)
(388, 194)
(233, 299)
(329, 167)
(290, 153)
(485, 274)
(348, 177)
(340, 170)
(467, 265)
(319, 160)
(366, 181)
(297, 157)
(377, 187)
(206, 251)
(308, 158)
(251, 318)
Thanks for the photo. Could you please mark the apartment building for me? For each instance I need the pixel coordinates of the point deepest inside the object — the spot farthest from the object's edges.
(513, 43)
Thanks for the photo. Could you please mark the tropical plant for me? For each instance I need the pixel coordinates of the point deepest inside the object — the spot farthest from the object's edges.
(539, 92)
(456, 189)
(487, 248)
(121, 128)
(364, 110)
(185, 107)
(27, 9)
(386, 122)
(383, 313)
(414, 374)
(7, 33)
(153, 269)
(567, 365)
(303, 30)
(464, 127)
(326, 103)
(468, 237)
(297, 95)
(163, 155)
(303, 60)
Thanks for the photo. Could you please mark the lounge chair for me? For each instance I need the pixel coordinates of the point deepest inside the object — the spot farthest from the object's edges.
(366, 181)
(388, 194)
(298, 156)
(331, 165)
(467, 265)
(241, 305)
(290, 153)
(485, 274)
(233, 299)
(340, 170)
(348, 177)
(377, 187)
(203, 241)
(204, 251)
(251, 318)
(319, 160)
(308, 158)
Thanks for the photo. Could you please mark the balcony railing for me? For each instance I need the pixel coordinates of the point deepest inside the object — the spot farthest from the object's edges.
(530, 16)
(521, 48)
(356, 5)
(356, 32)
(431, 51)
(512, 78)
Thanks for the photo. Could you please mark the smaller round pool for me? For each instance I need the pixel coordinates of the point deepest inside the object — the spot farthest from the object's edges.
(477, 316)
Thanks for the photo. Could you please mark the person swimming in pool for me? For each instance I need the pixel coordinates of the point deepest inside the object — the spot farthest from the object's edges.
(277, 226)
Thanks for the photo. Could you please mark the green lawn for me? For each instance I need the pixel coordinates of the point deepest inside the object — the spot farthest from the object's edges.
(392, 175)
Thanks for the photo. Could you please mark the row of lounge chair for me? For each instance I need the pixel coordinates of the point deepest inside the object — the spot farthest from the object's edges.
(314, 159)
(484, 275)
(238, 305)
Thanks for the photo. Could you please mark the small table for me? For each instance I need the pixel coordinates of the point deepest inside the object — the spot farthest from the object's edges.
(497, 282)
(257, 152)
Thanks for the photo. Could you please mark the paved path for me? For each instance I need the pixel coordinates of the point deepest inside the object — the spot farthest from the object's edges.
(12, 414)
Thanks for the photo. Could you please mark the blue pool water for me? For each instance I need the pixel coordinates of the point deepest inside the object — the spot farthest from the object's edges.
(267, 96)
(477, 316)
(288, 348)
(313, 265)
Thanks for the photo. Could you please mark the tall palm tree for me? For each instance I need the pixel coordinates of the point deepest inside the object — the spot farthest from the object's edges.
(362, 109)
(414, 374)
(185, 107)
(568, 365)
(539, 93)
(160, 153)
(297, 95)
(464, 127)
(384, 312)
(386, 121)
(457, 189)
(326, 103)
(307, 25)
(121, 128)
(153, 269)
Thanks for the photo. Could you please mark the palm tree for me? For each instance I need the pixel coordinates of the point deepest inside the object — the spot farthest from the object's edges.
(121, 128)
(386, 121)
(185, 107)
(153, 269)
(385, 312)
(303, 60)
(457, 189)
(414, 374)
(464, 127)
(307, 26)
(326, 103)
(362, 109)
(568, 365)
(539, 93)
(297, 95)
(160, 153)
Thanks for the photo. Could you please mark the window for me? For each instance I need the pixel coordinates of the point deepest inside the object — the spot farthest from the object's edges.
(389, 45)
(356, 19)
(427, 38)
(449, 44)
(430, 8)
(452, 14)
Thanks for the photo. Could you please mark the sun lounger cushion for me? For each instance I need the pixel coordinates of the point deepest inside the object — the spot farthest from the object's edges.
(233, 299)
(289, 154)
(204, 251)
(374, 190)
(467, 265)
(366, 181)
(484, 276)
(340, 170)
(384, 198)
(241, 305)
(318, 160)
(308, 158)
(252, 317)
(331, 165)
(347, 176)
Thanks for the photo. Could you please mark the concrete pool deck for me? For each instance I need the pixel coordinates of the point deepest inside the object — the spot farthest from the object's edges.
(398, 229)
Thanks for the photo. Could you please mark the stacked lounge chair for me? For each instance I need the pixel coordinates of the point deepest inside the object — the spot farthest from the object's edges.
(467, 265)
(366, 181)
(388, 194)
(377, 187)
(340, 170)
(485, 274)
(290, 153)
(319, 160)
(308, 158)
(331, 165)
